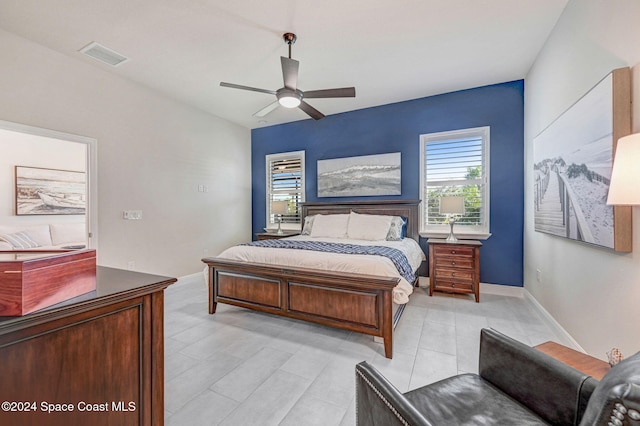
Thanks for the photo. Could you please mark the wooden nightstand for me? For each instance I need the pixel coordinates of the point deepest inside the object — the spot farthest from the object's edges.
(594, 367)
(273, 236)
(454, 267)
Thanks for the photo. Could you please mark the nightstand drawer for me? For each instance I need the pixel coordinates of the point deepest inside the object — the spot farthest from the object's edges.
(454, 267)
(454, 286)
(454, 274)
(458, 251)
(455, 262)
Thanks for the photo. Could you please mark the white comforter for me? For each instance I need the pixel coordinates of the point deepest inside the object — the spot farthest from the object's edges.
(364, 264)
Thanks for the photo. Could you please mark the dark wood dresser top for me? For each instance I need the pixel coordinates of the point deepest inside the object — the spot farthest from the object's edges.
(112, 284)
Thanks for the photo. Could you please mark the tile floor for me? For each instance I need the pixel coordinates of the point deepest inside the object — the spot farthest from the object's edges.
(239, 367)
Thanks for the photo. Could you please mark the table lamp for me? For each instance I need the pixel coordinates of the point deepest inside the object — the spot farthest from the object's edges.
(452, 206)
(279, 208)
(624, 188)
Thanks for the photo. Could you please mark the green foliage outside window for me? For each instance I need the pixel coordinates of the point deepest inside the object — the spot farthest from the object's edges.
(472, 194)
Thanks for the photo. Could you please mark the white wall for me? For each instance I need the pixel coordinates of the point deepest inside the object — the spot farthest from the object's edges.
(593, 293)
(153, 152)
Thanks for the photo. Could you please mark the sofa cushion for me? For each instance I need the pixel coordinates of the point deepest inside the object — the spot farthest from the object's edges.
(19, 240)
(66, 233)
(468, 399)
(38, 233)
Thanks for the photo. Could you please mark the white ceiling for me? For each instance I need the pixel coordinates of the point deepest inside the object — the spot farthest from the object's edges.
(390, 50)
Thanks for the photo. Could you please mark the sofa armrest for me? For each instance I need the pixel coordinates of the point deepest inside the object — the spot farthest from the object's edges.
(378, 402)
(555, 391)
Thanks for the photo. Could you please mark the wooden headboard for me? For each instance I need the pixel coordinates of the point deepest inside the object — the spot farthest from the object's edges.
(406, 208)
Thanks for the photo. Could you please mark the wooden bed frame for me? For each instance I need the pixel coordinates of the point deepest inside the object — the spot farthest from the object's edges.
(355, 302)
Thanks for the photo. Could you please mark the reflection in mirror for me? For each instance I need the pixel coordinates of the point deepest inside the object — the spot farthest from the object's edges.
(48, 189)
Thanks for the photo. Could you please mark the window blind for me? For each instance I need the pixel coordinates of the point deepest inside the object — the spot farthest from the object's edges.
(454, 165)
(286, 184)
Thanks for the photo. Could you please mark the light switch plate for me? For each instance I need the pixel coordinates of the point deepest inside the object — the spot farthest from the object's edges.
(132, 214)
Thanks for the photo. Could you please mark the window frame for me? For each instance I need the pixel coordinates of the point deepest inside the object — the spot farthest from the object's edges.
(269, 159)
(441, 231)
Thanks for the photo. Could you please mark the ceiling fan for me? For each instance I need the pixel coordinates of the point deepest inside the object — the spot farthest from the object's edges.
(290, 96)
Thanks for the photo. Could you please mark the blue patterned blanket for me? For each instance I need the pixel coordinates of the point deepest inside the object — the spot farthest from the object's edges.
(396, 256)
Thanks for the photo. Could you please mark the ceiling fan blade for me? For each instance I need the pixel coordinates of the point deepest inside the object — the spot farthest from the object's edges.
(311, 111)
(266, 110)
(253, 89)
(343, 92)
(290, 72)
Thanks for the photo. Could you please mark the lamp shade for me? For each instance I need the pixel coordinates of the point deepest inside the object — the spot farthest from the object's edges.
(452, 205)
(624, 188)
(279, 207)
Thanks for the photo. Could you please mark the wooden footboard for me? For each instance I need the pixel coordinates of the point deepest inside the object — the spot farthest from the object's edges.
(355, 302)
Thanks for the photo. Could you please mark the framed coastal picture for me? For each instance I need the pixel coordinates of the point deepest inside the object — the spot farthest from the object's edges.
(42, 191)
(366, 175)
(573, 158)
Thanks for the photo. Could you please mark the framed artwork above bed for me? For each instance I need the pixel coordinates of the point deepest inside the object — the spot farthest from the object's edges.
(366, 175)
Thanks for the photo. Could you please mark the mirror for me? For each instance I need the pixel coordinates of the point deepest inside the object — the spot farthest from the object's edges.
(48, 189)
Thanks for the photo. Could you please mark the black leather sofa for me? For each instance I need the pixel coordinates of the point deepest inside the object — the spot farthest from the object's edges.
(516, 385)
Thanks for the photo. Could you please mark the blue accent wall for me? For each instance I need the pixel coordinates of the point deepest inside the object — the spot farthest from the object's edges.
(397, 128)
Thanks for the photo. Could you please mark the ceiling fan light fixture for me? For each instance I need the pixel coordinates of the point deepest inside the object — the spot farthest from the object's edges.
(289, 98)
(289, 101)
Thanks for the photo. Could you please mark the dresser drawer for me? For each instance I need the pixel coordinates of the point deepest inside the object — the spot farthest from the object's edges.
(457, 251)
(455, 262)
(454, 274)
(454, 286)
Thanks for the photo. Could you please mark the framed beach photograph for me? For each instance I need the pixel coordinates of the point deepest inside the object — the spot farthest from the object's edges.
(42, 191)
(573, 159)
(366, 175)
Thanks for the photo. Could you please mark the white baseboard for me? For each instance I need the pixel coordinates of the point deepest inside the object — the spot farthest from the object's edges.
(504, 290)
(501, 290)
(187, 278)
(567, 339)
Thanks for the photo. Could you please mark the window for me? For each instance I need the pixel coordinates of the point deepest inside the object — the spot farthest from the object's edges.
(455, 163)
(285, 182)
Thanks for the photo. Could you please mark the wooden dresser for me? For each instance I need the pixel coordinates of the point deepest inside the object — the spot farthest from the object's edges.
(454, 267)
(97, 359)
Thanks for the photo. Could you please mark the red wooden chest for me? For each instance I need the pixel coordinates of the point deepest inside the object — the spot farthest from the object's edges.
(30, 281)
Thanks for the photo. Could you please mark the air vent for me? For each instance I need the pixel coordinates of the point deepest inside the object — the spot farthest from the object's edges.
(101, 53)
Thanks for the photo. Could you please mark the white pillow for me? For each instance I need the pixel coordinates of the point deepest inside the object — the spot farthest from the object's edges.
(38, 233)
(368, 226)
(19, 240)
(330, 225)
(64, 233)
(308, 225)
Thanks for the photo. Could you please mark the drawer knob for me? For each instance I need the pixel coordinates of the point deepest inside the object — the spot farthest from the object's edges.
(453, 263)
(453, 252)
(453, 285)
(453, 274)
